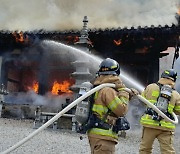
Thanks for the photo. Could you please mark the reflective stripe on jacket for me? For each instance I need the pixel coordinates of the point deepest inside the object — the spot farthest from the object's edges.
(103, 132)
(102, 109)
(151, 93)
(107, 101)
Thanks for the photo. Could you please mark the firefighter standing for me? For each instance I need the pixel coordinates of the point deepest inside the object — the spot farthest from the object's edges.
(109, 104)
(155, 126)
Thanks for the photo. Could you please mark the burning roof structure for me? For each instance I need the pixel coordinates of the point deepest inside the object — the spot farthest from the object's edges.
(27, 66)
(136, 49)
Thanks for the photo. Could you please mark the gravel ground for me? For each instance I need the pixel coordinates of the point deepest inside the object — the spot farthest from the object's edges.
(62, 141)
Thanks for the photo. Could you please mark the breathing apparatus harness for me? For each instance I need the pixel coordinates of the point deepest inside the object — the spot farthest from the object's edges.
(162, 102)
(93, 121)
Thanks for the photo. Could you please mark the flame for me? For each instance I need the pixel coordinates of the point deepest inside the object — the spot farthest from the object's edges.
(60, 88)
(117, 42)
(34, 87)
(20, 37)
(76, 39)
(71, 39)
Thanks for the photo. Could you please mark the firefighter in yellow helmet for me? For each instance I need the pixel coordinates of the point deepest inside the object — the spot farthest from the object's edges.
(163, 95)
(109, 104)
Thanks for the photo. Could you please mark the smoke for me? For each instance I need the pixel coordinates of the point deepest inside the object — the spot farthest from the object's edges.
(24, 104)
(68, 14)
(136, 109)
(31, 98)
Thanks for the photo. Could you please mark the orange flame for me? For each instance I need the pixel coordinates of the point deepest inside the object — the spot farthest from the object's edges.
(60, 88)
(34, 87)
(71, 39)
(117, 42)
(20, 37)
(76, 39)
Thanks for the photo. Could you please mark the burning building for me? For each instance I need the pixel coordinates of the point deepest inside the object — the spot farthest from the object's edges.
(34, 64)
(137, 50)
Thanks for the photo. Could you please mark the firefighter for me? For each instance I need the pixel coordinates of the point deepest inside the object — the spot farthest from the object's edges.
(167, 99)
(109, 104)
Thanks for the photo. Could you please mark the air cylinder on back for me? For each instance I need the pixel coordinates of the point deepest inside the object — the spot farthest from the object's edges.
(164, 98)
(83, 108)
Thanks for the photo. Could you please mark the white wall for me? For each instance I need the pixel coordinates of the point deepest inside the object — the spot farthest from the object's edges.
(177, 68)
(166, 61)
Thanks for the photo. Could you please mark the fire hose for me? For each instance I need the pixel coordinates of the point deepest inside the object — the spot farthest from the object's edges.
(175, 121)
(78, 100)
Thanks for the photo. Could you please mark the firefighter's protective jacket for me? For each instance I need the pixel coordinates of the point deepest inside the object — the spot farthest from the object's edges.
(109, 99)
(151, 93)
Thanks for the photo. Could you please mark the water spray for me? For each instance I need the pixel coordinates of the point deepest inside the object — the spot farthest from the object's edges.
(77, 53)
(132, 81)
(78, 100)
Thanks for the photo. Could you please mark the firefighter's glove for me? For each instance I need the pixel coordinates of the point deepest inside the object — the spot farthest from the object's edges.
(119, 86)
(133, 92)
(124, 94)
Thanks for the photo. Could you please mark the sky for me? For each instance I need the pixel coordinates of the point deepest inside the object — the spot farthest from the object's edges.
(68, 14)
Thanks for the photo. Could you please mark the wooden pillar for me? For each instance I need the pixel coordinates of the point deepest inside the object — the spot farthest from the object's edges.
(153, 69)
(43, 74)
(3, 71)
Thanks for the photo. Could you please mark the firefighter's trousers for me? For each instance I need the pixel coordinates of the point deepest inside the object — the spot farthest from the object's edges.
(101, 146)
(165, 139)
